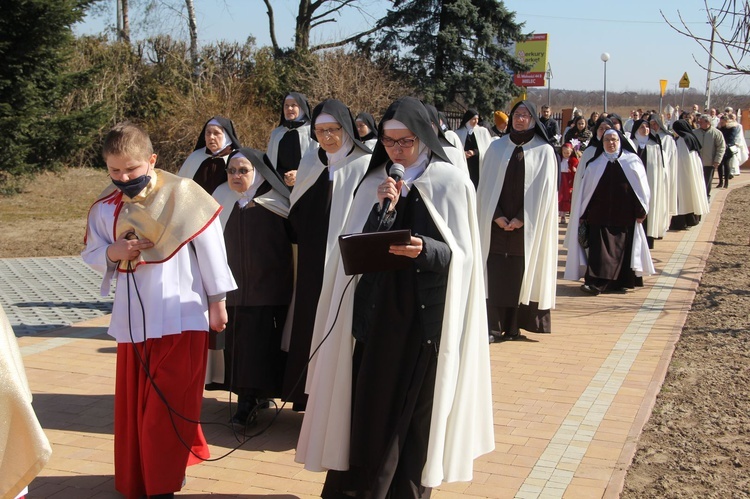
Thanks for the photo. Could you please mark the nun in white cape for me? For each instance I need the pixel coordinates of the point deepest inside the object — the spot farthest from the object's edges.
(325, 183)
(461, 427)
(641, 263)
(539, 281)
(649, 146)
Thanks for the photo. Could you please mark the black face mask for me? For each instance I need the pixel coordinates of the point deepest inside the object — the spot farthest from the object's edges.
(133, 187)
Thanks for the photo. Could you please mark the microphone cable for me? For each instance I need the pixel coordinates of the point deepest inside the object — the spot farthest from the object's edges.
(144, 361)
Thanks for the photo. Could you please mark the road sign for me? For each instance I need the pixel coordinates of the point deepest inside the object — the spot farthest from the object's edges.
(685, 81)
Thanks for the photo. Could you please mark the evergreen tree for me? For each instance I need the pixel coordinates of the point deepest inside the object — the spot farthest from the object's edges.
(452, 50)
(35, 43)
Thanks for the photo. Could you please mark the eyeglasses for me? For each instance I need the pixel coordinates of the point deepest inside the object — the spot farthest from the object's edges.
(327, 131)
(241, 171)
(406, 142)
(521, 116)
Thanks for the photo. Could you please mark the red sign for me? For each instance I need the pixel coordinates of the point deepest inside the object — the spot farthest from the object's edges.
(529, 79)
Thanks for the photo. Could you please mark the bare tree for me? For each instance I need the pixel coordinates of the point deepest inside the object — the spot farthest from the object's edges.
(193, 27)
(730, 32)
(314, 13)
(123, 21)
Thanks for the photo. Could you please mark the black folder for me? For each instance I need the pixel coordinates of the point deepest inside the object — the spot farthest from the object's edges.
(368, 251)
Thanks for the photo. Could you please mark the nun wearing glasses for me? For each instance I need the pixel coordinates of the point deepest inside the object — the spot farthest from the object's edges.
(517, 201)
(405, 404)
(207, 162)
(319, 204)
(259, 252)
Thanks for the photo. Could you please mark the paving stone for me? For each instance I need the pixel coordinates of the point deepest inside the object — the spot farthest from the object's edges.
(43, 294)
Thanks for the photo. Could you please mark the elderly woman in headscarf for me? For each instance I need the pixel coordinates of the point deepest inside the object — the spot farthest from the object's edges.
(319, 204)
(291, 139)
(475, 140)
(392, 418)
(692, 201)
(517, 203)
(648, 147)
(613, 204)
(207, 162)
(259, 252)
(366, 129)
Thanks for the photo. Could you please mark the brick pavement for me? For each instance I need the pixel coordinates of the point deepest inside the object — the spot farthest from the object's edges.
(569, 406)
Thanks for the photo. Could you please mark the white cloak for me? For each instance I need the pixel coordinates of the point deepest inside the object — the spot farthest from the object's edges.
(641, 263)
(454, 139)
(740, 158)
(484, 139)
(24, 448)
(691, 184)
(305, 142)
(670, 163)
(456, 155)
(347, 174)
(461, 427)
(539, 212)
(658, 208)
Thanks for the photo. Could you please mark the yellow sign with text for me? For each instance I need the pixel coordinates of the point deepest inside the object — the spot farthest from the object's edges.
(685, 81)
(532, 51)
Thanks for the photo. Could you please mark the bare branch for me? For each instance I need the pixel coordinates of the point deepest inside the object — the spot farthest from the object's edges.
(735, 44)
(342, 4)
(324, 21)
(272, 27)
(341, 43)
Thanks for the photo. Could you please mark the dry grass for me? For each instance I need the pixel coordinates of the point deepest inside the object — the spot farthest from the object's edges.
(49, 217)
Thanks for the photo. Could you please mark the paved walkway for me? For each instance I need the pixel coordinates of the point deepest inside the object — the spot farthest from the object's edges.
(569, 406)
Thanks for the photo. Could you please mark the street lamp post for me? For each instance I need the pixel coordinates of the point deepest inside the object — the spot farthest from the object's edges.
(605, 58)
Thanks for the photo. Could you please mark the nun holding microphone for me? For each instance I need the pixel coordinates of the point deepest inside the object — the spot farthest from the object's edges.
(377, 419)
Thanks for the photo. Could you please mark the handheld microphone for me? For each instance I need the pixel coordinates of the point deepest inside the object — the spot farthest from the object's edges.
(397, 171)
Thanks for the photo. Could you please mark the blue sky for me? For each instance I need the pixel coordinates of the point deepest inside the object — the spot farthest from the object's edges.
(643, 48)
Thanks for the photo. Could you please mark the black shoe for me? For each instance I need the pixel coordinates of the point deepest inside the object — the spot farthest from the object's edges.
(589, 290)
(244, 418)
(512, 337)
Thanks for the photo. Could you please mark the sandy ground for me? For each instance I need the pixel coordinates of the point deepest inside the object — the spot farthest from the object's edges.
(697, 441)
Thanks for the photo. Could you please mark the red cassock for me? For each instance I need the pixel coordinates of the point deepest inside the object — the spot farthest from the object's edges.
(565, 193)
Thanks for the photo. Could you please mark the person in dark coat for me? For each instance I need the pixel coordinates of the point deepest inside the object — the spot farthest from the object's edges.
(259, 252)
